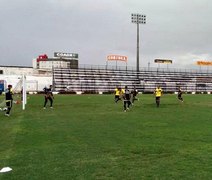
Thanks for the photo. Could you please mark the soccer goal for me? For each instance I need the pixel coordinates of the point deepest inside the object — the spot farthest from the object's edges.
(20, 94)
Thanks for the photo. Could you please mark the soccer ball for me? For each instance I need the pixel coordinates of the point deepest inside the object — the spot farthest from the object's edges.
(4, 109)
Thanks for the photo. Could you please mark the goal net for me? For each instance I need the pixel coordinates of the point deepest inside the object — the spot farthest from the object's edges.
(19, 93)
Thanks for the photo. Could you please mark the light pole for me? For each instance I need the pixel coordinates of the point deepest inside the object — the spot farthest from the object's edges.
(138, 19)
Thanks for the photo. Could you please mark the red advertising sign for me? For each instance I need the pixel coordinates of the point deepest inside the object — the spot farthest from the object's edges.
(42, 57)
(117, 58)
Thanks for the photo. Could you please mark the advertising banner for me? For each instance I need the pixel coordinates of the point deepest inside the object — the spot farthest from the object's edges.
(204, 63)
(164, 61)
(117, 58)
(66, 55)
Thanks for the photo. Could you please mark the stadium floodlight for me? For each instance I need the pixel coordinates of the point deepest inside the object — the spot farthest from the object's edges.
(138, 19)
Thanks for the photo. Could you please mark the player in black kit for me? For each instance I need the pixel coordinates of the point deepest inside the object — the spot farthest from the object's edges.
(48, 96)
(126, 98)
(8, 99)
(134, 94)
(180, 92)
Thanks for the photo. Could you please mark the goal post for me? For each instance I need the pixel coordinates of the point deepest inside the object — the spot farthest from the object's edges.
(24, 94)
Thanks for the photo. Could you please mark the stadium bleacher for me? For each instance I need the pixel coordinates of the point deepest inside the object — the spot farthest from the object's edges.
(95, 80)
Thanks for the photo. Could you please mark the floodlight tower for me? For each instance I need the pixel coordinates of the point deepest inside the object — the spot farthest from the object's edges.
(138, 19)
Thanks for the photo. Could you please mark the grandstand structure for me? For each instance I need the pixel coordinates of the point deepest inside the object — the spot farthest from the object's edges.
(104, 79)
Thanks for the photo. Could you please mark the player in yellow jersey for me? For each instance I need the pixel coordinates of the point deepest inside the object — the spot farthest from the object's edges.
(158, 93)
(117, 94)
(122, 91)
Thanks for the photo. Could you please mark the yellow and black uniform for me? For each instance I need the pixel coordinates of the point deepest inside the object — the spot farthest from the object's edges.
(48, 96)
(180, 94)
(9, 99)
(158, 94)
(122, 91)
(117, 94)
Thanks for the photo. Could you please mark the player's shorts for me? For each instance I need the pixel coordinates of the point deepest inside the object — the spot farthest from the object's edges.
(9, 103)
(179, 95)
(157, 98)
(116, 96)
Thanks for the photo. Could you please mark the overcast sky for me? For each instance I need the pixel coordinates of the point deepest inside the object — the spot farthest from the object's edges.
(175, 29)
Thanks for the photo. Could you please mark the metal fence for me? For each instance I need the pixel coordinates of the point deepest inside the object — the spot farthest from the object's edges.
(132, 68)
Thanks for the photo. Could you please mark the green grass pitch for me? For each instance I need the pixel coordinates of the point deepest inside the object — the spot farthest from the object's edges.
(90, 137)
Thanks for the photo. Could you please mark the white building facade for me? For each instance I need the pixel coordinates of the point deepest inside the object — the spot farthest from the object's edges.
(60, 60)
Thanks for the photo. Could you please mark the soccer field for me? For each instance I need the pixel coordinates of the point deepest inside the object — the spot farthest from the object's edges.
(90, 137)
